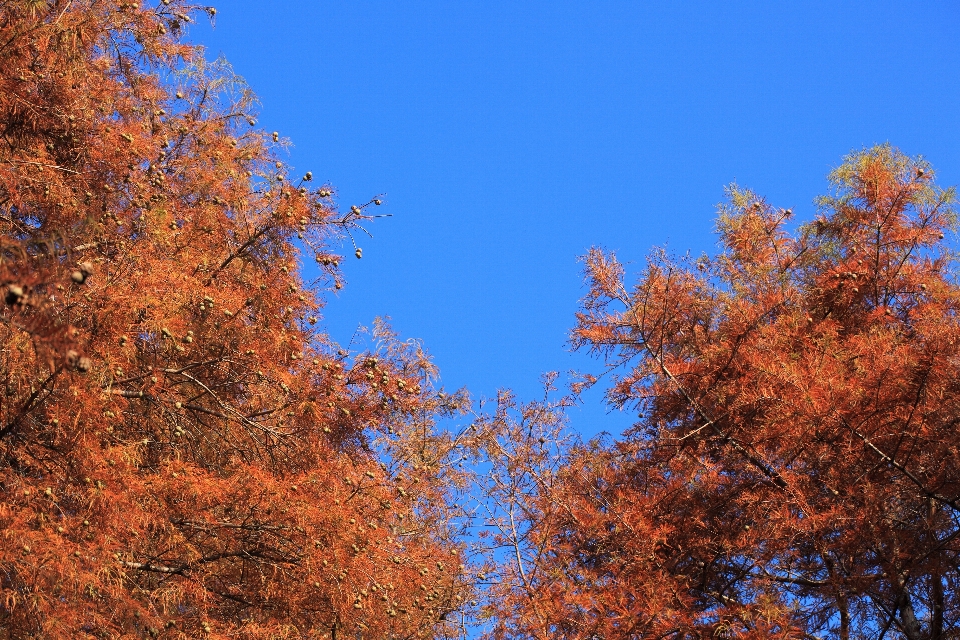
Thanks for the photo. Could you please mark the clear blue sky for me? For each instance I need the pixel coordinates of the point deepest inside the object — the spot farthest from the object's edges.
(509, 137)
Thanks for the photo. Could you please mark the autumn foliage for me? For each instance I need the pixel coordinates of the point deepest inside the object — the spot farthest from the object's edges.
(183, 454)
(795, 469)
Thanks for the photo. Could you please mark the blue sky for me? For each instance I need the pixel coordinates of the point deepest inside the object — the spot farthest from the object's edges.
(509, 137)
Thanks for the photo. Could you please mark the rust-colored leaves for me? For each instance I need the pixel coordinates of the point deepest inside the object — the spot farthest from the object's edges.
(175, 433)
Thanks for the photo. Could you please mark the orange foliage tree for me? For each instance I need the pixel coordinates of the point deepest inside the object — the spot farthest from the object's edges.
(183, 453)
(795, 469)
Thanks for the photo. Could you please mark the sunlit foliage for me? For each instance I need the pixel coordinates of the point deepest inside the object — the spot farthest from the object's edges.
(794, 472)
(183, 453)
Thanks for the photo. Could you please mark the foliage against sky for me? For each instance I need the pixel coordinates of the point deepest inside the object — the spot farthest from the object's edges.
(795, 470)
(183, 453)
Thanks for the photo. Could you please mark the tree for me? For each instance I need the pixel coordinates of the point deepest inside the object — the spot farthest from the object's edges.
(795, 470)
(183, 453)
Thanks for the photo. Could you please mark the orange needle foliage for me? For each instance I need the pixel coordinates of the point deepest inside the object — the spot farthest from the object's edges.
(182, 454)
(795, 470)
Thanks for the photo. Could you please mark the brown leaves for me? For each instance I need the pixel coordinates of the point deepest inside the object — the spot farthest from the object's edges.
(143, 227)
(794, 468)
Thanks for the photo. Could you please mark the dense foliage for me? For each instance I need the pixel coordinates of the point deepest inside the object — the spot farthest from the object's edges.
(182, 453)
(185, 453)
(795, 471)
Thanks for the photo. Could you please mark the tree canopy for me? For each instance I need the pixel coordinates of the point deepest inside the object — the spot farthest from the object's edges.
(794, 472)
(183, 453)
